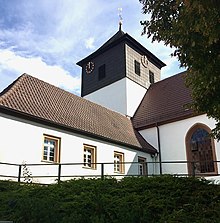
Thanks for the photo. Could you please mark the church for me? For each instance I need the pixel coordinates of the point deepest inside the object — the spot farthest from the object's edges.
(127, 122)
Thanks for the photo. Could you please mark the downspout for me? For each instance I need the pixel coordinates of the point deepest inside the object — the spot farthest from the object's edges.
(159, 148)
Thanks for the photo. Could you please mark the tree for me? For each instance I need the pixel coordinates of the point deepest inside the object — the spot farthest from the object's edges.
(192, 27)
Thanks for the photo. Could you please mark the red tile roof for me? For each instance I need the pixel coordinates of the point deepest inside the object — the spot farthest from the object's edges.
(165, 101)
(34, 98)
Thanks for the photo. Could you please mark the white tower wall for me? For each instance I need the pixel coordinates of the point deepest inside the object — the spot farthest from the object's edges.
(123, 96)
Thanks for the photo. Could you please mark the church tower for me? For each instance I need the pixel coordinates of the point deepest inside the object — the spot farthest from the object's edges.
(118, 74)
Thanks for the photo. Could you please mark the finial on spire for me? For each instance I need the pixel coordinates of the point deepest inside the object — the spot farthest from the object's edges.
(120, 18)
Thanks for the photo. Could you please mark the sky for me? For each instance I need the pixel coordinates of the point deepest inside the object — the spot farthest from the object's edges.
(46, 38)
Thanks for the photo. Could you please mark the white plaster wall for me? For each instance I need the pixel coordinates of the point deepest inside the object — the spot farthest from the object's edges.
(151, 136)
(172, 141)
(23, 141)
(123, 96)
(135, 94)
(112, 96)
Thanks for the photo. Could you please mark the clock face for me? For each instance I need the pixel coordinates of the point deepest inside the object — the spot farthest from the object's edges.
(90, 67)
(144, 60)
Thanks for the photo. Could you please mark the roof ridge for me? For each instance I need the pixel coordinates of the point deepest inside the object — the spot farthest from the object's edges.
(116, 36)
(12, 87)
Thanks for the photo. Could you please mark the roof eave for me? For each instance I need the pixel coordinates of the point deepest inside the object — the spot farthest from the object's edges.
(99, 51)
(130, 39)
(150, 55)
(25, 116)
(167, 121)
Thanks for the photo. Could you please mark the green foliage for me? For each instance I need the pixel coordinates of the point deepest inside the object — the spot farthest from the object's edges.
(130, 200)
(193, 28)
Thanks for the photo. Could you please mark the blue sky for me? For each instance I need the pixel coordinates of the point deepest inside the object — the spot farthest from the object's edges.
(45, 38)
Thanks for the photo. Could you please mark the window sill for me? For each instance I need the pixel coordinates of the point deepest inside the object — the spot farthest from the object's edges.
(89, 168)
(206, 174)
(122, 173)
(49, 162)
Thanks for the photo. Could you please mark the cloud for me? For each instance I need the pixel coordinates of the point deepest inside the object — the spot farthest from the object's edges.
(89, 43)
(36, 67)
(46, 39)
(171, 67)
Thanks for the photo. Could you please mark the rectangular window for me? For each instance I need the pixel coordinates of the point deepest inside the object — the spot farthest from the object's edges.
(89, 156)
(151, 77)
(119, 162)
(51, 149)
(137, 68)
(142, 166)
(101, 72)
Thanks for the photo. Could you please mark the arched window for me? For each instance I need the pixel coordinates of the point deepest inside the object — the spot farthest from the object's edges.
(200, 151)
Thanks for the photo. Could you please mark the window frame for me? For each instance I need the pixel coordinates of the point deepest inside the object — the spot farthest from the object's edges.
(56, 150)
(142, 162)
(151, 77)
(189, 150)
(102, 72)
(120, 164)
(93, 162)
(137, 67)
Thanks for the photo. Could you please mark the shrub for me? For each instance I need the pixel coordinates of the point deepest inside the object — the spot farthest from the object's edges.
(130, 200)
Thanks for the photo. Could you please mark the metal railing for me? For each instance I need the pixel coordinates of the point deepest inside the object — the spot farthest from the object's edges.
(192, 168)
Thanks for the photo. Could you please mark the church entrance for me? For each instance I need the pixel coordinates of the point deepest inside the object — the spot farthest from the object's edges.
(200, 151)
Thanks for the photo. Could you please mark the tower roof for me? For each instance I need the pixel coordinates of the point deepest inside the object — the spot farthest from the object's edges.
(119, 37)
(113, 39)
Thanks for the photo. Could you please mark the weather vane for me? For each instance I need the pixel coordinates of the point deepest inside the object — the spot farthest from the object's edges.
(120, 17)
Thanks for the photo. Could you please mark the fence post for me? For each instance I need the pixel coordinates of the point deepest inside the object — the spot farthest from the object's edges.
(193, 169)
(59, 172)
(102, 171)
(19, 173)
(146, 169)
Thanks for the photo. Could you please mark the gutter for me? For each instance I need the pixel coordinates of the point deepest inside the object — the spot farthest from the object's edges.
(25, 116)
(159, 148)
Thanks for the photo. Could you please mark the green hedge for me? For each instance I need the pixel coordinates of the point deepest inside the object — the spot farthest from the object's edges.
(131, 200)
